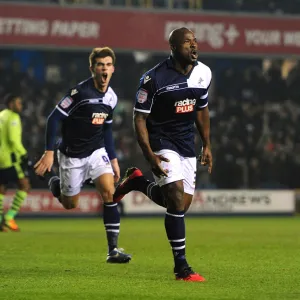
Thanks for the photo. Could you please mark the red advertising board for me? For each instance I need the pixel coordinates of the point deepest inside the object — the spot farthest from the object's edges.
(42, 202)
(57, 26)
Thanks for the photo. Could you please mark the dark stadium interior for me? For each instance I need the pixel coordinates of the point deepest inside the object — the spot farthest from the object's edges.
(239, 228)
(254, 106)
(254, 101)
(261, 6)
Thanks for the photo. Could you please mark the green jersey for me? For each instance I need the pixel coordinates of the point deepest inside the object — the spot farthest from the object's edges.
(11, 147)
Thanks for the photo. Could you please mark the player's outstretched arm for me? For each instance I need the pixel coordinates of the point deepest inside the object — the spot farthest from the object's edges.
(141, 132)
(203, 127)
(46, 161)
(139, 124)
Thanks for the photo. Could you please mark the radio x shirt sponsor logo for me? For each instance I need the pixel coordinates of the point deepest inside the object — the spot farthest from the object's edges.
(99, 118)
(185, 106)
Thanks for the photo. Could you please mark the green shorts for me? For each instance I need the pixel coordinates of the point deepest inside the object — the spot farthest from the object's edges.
(12, 174)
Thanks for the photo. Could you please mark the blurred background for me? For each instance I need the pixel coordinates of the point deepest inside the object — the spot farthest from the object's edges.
(253, 50)
(252, 47)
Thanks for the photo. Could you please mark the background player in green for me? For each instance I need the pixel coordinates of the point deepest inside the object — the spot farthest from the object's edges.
(13, 160)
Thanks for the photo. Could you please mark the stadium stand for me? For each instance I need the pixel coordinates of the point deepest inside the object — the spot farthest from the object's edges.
(249, 6)
(254, 107)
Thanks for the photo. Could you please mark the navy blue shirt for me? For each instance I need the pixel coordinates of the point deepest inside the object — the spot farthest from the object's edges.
(86, 110)
(171, 99)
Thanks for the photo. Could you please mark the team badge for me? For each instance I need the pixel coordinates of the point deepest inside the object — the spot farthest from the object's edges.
(201, 82)
(142, 96)
(65, 103)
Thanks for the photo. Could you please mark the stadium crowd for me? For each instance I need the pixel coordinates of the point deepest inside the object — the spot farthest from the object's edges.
(254, 110)
(252, 6)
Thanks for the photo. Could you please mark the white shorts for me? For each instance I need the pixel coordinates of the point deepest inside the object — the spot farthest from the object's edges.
(75, 171)
(179, 168)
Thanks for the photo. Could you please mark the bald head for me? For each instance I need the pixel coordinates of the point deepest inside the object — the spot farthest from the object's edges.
(177, 35)
(183, 46)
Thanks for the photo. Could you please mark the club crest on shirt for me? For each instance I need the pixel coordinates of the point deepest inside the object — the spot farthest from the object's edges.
(201, 82)
(142, 96)
(66, 102)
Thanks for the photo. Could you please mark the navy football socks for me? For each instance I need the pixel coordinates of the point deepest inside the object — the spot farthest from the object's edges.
(150, 189)
(111, 220)
(175, 229)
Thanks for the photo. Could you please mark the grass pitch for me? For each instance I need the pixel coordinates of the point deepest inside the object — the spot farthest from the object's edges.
(241, 258)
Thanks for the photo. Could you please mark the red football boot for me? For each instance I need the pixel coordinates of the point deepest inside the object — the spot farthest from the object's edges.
(187, 274)
(127, 184)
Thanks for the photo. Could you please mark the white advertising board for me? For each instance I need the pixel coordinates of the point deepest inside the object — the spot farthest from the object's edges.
(221, 202)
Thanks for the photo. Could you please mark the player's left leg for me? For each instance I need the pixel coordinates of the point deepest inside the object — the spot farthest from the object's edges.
(111, 219)
(178, 189)
(2, 193)
(134, 180)
(102, 175)
(20, 176)
(66, 187)
(20, 196)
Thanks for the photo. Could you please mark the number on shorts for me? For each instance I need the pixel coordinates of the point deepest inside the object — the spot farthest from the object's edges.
(105, 159)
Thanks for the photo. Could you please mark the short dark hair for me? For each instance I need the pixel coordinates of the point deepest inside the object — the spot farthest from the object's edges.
(100, 53)
(9, 98)
(176, 35)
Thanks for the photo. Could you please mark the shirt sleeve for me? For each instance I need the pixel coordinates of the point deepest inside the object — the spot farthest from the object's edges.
(109, 118)
(15, 135)
(109, 141)
(67, 104)
(52, 124)
(145, 94)
(113, 104)
(203, 100)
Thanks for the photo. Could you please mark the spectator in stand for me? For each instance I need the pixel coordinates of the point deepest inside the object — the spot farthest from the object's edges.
(260, 113)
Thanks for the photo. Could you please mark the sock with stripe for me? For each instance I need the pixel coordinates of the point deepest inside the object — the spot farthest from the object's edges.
(155, 194)
(111, 219)
(175, 228)
(150, 189)
(1, 206)
(19, 198)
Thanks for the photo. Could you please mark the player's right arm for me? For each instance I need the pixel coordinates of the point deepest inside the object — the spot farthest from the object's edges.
(203, 124)
(61, 112)
(15, 136)
(142, 109)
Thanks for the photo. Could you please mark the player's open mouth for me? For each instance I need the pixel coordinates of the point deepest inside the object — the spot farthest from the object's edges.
(104, 77)
(194, 54)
